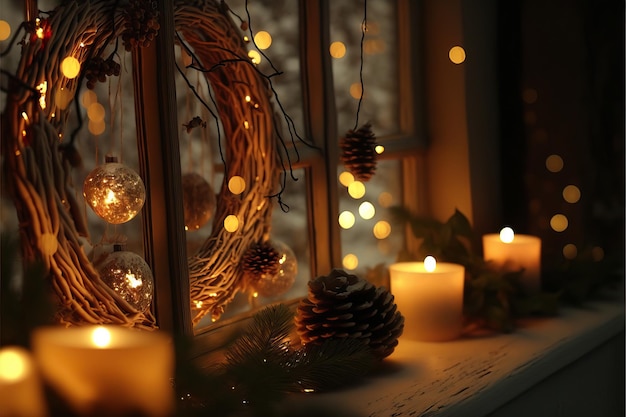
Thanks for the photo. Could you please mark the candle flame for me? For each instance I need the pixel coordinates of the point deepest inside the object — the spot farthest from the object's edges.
(430, 263)
(507, 235)
(101, 337)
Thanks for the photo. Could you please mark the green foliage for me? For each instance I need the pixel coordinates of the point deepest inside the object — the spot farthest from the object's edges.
(493, 298)
(261, 367)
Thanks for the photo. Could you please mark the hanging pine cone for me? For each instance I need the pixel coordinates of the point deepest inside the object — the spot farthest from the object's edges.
(260, 259)
(358, 152)
(343, 305)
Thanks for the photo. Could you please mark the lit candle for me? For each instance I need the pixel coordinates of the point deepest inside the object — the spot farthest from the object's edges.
(514, 252)
(108, 370)
(430, 297)
(21, 393)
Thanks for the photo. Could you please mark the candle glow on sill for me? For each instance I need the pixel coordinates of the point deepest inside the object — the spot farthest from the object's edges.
(507, 235)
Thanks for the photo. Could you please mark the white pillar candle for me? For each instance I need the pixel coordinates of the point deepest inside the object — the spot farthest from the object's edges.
(21, 393)
(514, 252)
(108, 370)
(430, 299)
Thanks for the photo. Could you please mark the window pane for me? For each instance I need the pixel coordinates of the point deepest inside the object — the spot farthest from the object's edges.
(380, 74)
(272, 41)
(367, 237)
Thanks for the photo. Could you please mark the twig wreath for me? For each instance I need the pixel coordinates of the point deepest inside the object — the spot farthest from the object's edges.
(38, 173)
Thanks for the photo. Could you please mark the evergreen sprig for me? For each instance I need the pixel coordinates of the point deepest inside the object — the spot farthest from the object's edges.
(262, 366)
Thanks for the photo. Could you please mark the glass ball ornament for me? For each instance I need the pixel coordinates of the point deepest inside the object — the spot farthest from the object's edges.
(115, 192)
(129, 276)
(199, 201)
(278, 283)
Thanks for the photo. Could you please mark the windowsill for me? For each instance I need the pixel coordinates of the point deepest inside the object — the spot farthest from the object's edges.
(477, 376)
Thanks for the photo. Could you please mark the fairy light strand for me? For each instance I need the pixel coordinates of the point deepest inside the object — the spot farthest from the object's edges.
(363, 30)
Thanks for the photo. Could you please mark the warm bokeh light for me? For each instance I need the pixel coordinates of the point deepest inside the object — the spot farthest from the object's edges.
(379, 149)
(63, 98)
(96, 112)
(554, 163)
(263, 39)
(559, 222)
(355, 90)
(337, 49)
(101, 337)
(346, 219)
(231, 223)
(350, 261)
(571, 194)
(48, 244)
(96, 128)
(43, 89)
(382, 229)
(457, 54)
(570, 251)
(346, 178)
(13, 364)
(385, 199)
(70, 67)
(88, 98)
(5, 30)
(430, 263)
(356, 189)
(507, 235)
(255, 57)
(597, 253)
(367, 210)
(529, 96)
(236, 184)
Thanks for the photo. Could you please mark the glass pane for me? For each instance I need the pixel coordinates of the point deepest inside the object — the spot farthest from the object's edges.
(380, 74)
(367, 238)
(271, 36)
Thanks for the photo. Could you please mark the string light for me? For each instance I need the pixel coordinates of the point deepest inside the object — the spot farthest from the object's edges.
(70, 67)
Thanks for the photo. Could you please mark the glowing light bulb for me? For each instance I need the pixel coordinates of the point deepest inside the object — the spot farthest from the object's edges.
(430, 263)
(255, 57)
(101, 337)
(346, 219)
(231, 223)
(457, 54)
(356, 189)
(379, 149)
(70, 67)
(5, 30)
(382, 230)
(367, 210)
(263, 39)
(337, 49)
(507, 235)
(236, 184)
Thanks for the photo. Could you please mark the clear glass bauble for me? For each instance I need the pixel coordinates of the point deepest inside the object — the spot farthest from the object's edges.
(130, 276)
(273, 285)
(115, 192)
(199, 201)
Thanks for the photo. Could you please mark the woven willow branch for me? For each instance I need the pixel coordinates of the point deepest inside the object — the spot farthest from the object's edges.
(250, 152)
(51, 221)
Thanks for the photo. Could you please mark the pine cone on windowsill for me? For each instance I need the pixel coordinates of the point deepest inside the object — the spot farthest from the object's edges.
(343, 305)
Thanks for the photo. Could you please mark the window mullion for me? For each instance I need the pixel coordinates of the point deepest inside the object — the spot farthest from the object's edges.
(159, 159)
(321, 125)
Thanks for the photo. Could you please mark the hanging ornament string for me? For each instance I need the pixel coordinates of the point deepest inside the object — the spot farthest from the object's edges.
(363, 30)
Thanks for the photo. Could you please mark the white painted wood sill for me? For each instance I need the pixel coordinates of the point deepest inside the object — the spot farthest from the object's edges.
(569, 365)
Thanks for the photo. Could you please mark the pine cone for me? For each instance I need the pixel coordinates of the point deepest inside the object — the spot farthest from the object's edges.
(358, 152)
(343, 305)
(261, 259)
